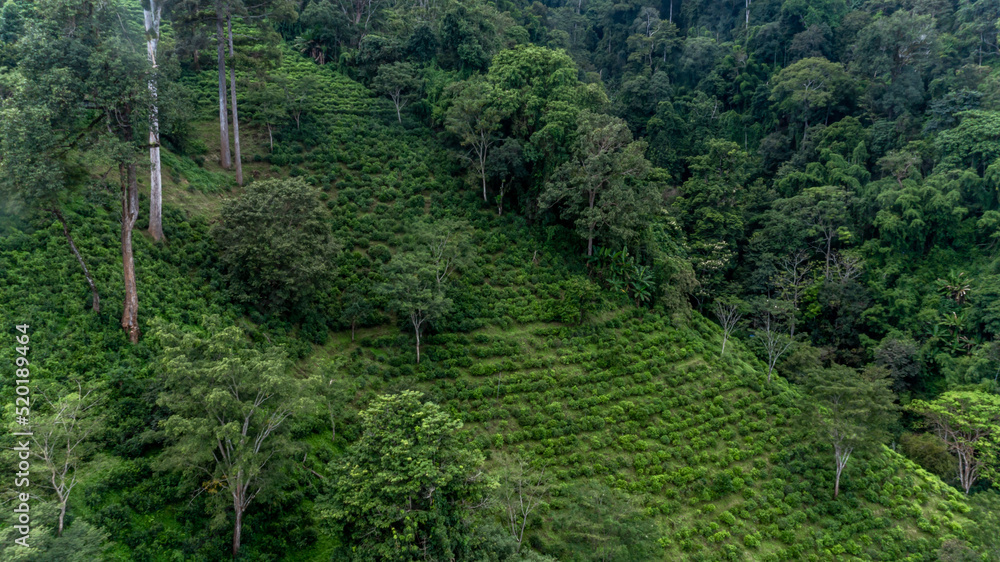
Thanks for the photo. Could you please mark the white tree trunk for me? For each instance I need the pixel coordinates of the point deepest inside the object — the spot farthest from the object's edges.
(223, 121)
(151, 17)
(232, 95)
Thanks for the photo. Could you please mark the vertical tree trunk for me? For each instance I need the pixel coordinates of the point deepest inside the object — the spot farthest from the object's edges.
(223, 121)
(482, 175)
(590, 232)
(353, 323)
(151, 17)
(417, 322)
(237, 531)
(62, 518)
(841, 455)
(130, 212)
(232, 101)
(95, 298)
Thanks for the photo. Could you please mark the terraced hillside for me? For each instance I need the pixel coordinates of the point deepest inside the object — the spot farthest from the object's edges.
(703, 444)
(631, 399)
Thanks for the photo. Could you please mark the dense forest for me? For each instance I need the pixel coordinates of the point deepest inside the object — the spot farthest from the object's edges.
(500, 280)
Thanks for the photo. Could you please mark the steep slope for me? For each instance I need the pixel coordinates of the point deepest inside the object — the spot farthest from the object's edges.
(702, 445)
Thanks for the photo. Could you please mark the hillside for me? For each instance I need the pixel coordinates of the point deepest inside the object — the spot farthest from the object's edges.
(703, 447)
(500, 282)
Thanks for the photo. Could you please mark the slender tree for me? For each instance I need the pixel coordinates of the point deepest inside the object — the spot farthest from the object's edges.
(969, 423)
(63, 438)
(232, 102)
(523, 490)
(416, 279)
(152, 11)
(603, 187)
(220, 19)
(475, 119)
(729, 315)
(399, 82)
(770, 336)
(850, 411)
(229, 406)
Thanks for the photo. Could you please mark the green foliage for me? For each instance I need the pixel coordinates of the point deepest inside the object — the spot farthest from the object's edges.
(416, 280)
(809, 87)
(603, 186)
(407, 485)
(275, 245)
(883, 174)
(969, 423)
(850, 411)
(229, 409)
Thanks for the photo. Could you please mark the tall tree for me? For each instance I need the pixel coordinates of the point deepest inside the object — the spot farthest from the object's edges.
(405, 488)
(809, 88)
(194, 16)
(152, 12)
(232, 101)
(118, 87)
(105, 87)
(849, 411)
(400, 83)
(229, 406)
(276, 245)
(34, 140)
(603, 187)
(969, 423)
(63, 437)
(220, 18)
(416, 279)
(475, 117)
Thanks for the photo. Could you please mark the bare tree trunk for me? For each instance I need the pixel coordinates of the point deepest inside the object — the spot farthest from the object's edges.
(841, 456)
(130, 212)
(232, 101)
(95, 298)
(416, 329)
(237, 531)
(482, 175)
(151, 17)
(62, 517)
(590, 232)
(223, 121)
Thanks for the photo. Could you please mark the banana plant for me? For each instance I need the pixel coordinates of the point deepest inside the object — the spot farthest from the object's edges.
(642, 285)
